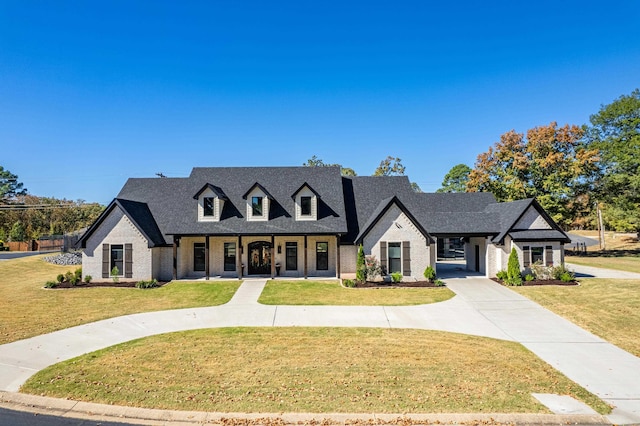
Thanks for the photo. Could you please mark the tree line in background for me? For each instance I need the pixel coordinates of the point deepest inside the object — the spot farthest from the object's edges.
(26, 217)
(571, 170)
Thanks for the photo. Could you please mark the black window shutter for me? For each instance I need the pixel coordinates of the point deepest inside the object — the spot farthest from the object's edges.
(406, 258)
(526, 257)
(383, 256)
(548, 252)
(105, 260)
(128, 260)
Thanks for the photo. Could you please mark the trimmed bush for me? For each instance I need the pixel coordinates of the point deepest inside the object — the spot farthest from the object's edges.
(502, 275)
(114, 274)
(559, 271)
(567, 277)
(396, 277)
(60, 278)
(361, 272)
(349, 283)
(430, 273)
(439, 283)
(87, 278)
(68, 276)
(513, 269)
(147, 284)
(51, 284)
(78, 274)
(528, 277)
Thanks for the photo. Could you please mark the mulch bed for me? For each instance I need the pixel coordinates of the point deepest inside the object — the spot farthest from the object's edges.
(540, 282)
(380, 284)
(101, 284)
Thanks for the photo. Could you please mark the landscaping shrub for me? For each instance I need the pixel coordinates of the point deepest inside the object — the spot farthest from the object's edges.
(349, 283)
(74, 279)
(430, 273)
(567, 277)
(372, 267)
(528, 277)
(87, 278)
(559, 271)
(68, 276)
(147, 284)
(542, 272)
(78, 274)
(361, 272)
(439, 283)
(396, 277)
(513, 269)
(51, 284)
(114, 274)
(60, 278)
(502, 275)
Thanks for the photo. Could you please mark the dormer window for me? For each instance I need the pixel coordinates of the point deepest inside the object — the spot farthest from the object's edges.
(210, 203)
(306, 203)
(256, 206)
(209, 207)
(258, 200)
(305, 206)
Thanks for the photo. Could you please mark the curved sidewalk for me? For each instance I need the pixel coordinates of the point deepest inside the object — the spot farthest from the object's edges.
(481, 307)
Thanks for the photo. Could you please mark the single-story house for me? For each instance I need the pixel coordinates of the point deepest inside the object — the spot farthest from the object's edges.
(304, 221)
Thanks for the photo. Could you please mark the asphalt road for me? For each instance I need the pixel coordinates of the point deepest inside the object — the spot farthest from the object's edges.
(580, 239)
(21, 418)
(4, 255)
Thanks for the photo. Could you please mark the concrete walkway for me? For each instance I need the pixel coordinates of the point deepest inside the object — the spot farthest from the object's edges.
(593, 272)
(481, 307)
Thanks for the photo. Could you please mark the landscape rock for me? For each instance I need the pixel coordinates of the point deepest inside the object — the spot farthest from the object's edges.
(65, 259)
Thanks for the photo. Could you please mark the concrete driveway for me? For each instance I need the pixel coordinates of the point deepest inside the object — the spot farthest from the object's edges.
(481, 307)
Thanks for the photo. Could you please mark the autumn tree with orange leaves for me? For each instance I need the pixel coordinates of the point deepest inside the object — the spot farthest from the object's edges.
(550, 163)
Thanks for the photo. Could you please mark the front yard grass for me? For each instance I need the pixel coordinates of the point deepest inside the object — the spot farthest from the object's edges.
(26, 309)
(621, 263)
(315, 370)
(330, 292)
(609, 308)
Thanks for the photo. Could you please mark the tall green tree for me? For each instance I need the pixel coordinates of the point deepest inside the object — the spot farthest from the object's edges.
(9, 186)
(17, 232)
(390, 166)
(550, 163)
(615, 132)
(456, 179)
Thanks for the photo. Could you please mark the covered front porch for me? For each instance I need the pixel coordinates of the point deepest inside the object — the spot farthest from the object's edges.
(267, 256)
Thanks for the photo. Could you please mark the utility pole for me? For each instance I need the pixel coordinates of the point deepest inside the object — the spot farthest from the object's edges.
(603, 245)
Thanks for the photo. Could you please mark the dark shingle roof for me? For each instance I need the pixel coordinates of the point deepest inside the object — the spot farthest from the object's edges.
(171, 200)
(138, 213)
(162, 207)
(539, 235)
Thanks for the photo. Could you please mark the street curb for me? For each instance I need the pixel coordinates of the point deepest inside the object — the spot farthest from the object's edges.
(103, 412)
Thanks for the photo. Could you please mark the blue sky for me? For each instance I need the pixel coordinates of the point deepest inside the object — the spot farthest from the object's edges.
(92, 93)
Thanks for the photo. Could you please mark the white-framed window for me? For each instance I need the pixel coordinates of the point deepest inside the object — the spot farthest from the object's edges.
(208, 206)
(256, 206)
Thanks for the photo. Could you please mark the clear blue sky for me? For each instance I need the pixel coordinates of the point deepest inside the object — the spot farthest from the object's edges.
(92, 93)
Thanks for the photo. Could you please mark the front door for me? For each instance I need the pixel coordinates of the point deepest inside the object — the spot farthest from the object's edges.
(259, 258)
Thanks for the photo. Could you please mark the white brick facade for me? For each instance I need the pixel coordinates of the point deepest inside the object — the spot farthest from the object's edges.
(118, 229)
(395, 226)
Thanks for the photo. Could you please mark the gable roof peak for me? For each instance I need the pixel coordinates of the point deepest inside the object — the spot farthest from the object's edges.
(262, 188)
(302, 187)
(215, 189)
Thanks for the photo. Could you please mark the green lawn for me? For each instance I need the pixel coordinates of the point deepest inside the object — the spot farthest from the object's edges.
(314, 370)
(26, 309)
(621, 263)
(609, 308)
(330, 292)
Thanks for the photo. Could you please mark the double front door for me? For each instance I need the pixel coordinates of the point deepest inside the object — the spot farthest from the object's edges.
(259, 258)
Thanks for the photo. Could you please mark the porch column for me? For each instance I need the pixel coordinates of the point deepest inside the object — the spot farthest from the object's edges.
(239, 251)
(338, 255)
(175, 257)
(273, 256)
(305, 257)
(206, 257)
